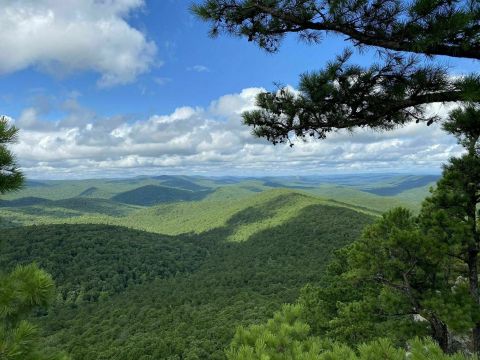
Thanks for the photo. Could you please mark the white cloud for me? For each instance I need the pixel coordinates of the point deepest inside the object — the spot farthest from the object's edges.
(235, 104)
(212, 140)
(198, 68)
(74, 35)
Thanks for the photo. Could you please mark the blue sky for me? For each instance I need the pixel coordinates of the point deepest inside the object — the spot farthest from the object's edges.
(182, 42)
(83, 77)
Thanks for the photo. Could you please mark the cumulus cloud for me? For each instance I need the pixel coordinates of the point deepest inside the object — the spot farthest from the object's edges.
(65, 36)
(212, 140)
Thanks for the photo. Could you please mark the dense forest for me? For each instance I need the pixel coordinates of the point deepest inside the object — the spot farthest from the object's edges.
(126, 294)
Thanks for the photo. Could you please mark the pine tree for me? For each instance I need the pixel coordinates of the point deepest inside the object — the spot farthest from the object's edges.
(27, 287)
(404, 265)
(451, 213)
(394, 274)
(385, 95)
(11, 177)
(22, 291)
(287, 336)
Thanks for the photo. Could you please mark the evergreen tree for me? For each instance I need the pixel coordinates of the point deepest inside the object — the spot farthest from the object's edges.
(27, 287)
(10, 176)
(451, 213)
(405, 265)
(393, 276)
(287, 336)
(23, 290)
(345, 96)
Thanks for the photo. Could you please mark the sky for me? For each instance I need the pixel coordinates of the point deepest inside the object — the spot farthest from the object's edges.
(118, 88)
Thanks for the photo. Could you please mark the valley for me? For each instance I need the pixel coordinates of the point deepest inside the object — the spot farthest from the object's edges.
(168, 267)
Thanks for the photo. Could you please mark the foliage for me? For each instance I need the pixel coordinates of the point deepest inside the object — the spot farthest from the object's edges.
(93, 262)
(355, 302)
(287, 336)
(11, 177)
(463, 124)
(345, 96)
(188, 314)
(424, 26)
(382, 284)
(22, 291)
(406, 268)
(451, 214)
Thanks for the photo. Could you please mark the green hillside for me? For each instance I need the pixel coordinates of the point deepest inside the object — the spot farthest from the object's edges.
(167, 218)
(90, 262)
(24, 201)
(217, 211)
(237, 273)
(177, 217)
(93, 205)
(36, 211)
(149, 195)
(196, 204)
(167, 267)
(377, 192)
(63, 189)
(91, 191)
(180, 182)
(399, 185)
(353, 196)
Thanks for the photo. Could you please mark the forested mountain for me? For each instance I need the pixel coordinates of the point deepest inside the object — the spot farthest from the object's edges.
(128, 294)
(167, 267)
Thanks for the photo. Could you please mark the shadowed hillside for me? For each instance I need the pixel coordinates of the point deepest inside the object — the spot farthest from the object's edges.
(25, 201)
(408, 183)
(152, 194)
(121, 289)
(179, 182)
(91, 191)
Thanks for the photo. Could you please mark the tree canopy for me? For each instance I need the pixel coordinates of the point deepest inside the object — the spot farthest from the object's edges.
(22, 291)
(27, 287)
(11, 177)
(390, 93)
(288, 336)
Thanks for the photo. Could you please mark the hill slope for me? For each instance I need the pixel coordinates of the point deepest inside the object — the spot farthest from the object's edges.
(238, 272)
(178, 204)
(153, 194)
(92, 261)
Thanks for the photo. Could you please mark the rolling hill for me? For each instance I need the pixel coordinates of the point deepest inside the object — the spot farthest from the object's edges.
(398, 186)
(90, 262)
(166, 267)
(180, 182)
(149, 195)
(193, 204)
(126, 294)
